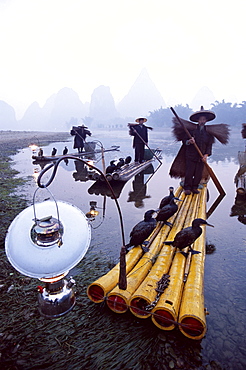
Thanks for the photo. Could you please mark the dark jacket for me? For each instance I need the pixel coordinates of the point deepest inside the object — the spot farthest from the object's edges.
(142, 130)
(80, 135)
(204, 141)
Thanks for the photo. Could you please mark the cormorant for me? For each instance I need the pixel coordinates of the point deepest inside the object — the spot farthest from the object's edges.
(141, 231)
(128, 159)
(40, 152)
(166, 200)
(120, 163)
(65, 151)
(167, 211)
(54, 150)
(187, 236)
(111, 168)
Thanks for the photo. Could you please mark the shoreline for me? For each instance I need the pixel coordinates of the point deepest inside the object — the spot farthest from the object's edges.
(10, 143)
(19, 138)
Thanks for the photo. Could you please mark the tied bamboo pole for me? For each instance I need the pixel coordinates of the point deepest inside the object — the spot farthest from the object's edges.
(192, 315)
(165, 313)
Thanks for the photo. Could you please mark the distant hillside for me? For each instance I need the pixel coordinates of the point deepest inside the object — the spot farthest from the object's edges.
(60, 111)
(204, 97)
(7, 117)
(64, 109)
(142, 97)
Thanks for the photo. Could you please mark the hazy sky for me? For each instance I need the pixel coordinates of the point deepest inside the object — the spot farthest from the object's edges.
(184, 45)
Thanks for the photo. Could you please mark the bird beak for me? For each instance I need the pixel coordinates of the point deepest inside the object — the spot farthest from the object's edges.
(209, 225)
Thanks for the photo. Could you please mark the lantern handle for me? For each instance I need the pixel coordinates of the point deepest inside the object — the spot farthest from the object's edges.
(34, 210)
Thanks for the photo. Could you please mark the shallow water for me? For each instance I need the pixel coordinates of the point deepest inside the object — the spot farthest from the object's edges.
(225, 275)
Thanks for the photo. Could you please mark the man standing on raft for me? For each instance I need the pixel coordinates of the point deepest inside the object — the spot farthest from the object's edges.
(188, 162)
(79, 133)
(140, 133)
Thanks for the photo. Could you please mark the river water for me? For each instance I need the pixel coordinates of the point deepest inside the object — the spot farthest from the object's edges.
(225, 274)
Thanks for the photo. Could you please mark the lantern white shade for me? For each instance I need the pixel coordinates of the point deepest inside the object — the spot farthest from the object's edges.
(47, 262)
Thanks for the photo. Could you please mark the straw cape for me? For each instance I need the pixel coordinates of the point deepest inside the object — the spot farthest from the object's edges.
(218, 131)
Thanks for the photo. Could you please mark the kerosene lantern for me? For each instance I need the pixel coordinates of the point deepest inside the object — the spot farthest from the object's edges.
(45, 241)
(92, 212)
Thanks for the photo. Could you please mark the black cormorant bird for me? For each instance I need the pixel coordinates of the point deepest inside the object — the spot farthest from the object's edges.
(54, 150)
(187, 236)
(111, 168)
(40, 152)
(128, 159)
(141, 231)
(120, 163)
(65, 151)
(166, 200)
(168, 211)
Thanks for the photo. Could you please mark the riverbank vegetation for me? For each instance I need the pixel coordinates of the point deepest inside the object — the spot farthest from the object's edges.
(231, 114)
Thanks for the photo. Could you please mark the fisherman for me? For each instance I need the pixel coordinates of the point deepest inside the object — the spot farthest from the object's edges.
(188, 162)
(140, 133)
(79, 133)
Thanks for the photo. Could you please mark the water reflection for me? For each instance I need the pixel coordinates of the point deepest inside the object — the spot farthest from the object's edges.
(239, 208)
(81, 173)
(215, 204)
(138, 194)
(101, 188)
(240, 177)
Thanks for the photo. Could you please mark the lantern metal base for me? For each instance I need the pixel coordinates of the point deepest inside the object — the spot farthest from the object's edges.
(56, 299)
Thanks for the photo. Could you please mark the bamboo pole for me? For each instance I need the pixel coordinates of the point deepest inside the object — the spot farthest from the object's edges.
(98, 290)
(165, 313)
(118, 299)
(146, 292)
(192, 317)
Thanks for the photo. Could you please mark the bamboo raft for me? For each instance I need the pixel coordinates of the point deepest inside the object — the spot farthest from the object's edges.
(132, 169)
(162, 283)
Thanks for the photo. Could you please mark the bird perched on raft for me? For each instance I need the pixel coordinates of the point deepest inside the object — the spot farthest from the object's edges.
(166, 200)
(40, 152)
(128, 159)
(141, 231)
(65, 151)
(168, 211)
(54, 150)
(187, 236)
(120, 163)
(111, 168)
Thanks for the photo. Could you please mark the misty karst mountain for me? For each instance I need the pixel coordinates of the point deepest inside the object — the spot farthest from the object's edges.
(142, 97)
(203, 97)
(56, 114)
(65, 109)
(7, 117)
(102, 106)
